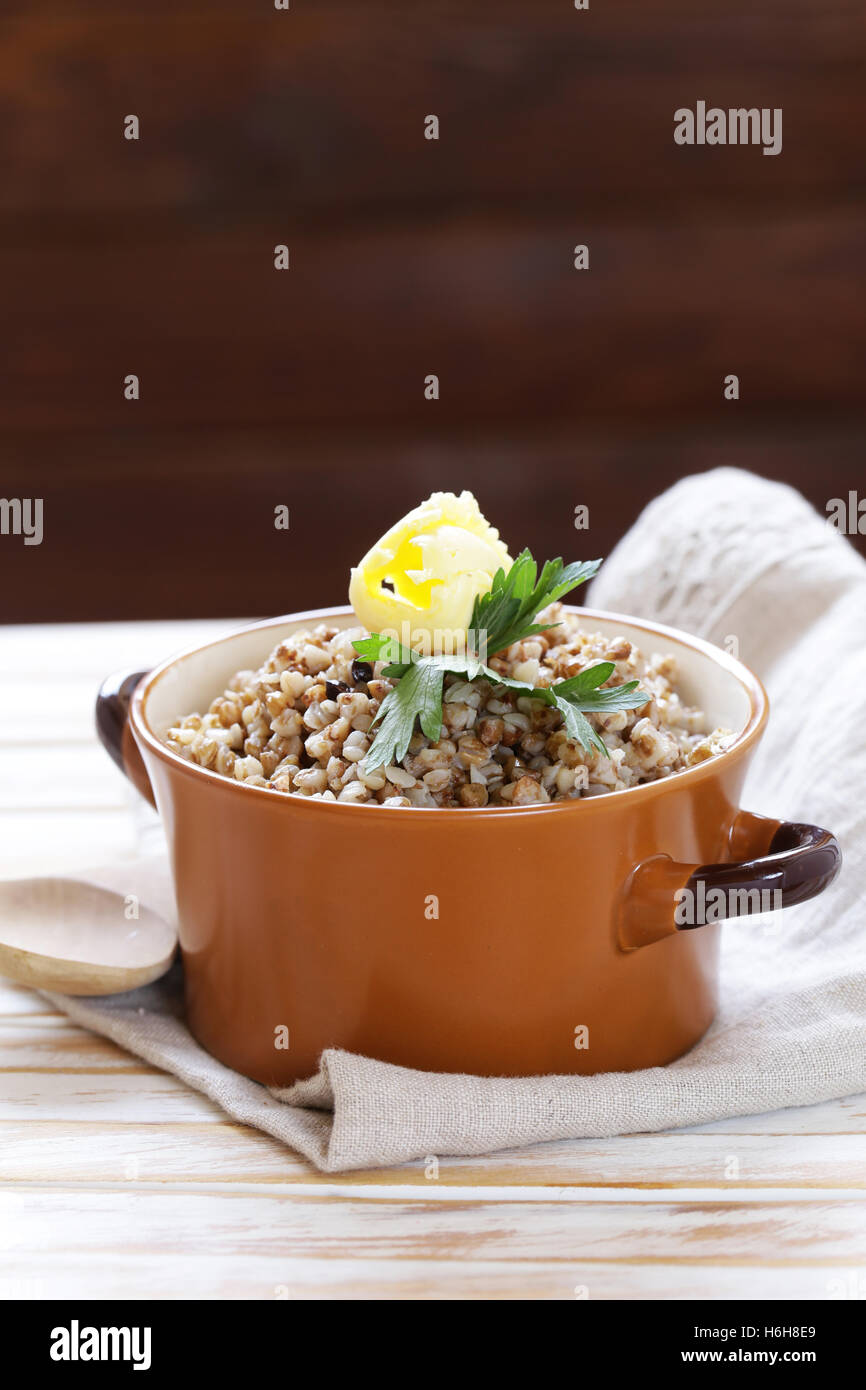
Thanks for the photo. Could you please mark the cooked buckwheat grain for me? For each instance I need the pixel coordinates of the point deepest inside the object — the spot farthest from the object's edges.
(301, 725)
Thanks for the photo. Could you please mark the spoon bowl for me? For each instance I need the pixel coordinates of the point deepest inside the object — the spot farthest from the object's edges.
(74, 938)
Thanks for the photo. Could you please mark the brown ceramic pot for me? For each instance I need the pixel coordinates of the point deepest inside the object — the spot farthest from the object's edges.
(557, 946)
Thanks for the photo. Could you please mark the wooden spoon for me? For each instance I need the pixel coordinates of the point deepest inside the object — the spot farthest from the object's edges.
(72, 937)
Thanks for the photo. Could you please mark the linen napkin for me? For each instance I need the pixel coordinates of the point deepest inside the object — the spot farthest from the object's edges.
(748, 564)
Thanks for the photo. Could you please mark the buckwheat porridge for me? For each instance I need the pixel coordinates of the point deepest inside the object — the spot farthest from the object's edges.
(302, 725)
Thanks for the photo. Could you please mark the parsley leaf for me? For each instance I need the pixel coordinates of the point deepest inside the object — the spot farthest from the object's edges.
(573, 703)
(377, 647)
(419, 693)
(505, 614)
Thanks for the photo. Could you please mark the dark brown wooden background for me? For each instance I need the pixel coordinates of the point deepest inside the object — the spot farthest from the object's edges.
(408, 257)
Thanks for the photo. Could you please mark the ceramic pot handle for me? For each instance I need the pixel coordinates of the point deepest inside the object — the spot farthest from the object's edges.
(787, 862)
(112, 726)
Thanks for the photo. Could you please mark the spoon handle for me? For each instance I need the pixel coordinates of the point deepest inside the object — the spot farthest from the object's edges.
(112, 726)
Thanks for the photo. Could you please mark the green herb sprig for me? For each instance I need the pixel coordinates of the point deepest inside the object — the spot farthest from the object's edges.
(500, 618)
(505, 614)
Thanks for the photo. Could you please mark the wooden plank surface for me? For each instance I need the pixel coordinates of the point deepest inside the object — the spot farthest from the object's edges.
(175, 1273)
(409, 257)
(182, 1141)
(117, 1181)
(208, 509)
(217, 336)
(539, 105)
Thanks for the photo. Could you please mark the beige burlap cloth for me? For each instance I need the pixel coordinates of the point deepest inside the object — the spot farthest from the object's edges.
(725, 555)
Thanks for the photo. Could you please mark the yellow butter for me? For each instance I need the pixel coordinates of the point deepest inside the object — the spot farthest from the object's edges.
(437, 558)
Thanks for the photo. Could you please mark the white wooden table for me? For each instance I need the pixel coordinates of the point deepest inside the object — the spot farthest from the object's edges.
(118, 1181)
